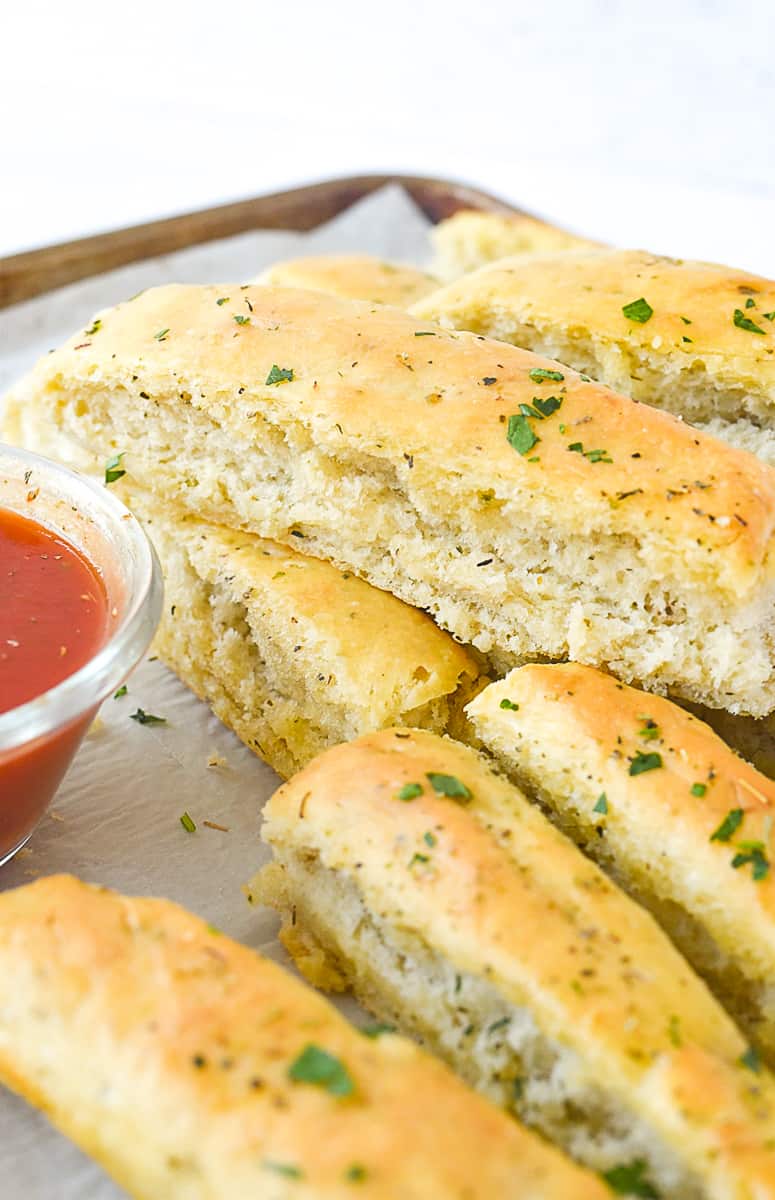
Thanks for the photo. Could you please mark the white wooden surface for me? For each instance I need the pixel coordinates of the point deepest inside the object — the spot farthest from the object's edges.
(646, 123)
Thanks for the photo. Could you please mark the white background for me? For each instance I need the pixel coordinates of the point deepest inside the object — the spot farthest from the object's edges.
(640, 122)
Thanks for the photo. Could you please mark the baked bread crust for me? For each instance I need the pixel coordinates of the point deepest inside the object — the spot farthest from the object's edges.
(477, 886)
(388, 453)
(706, 352)
(570, 735)
(469, 239)
(291, 653)
(354, 276)
(163, 1049)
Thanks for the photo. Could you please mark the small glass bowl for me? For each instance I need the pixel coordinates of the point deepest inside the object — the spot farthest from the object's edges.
(39, 738)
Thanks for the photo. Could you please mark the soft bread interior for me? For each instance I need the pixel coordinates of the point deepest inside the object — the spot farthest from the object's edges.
(271, 656)
(495, 1045)
(419, 491)
(512, 589)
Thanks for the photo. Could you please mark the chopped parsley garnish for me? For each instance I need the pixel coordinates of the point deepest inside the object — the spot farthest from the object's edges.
(489, 380)
(121, 692)
(744, 322)
(730, 825)
(750, 302)
(424, 333)
(161, 336)
(686, 320)
(286, 1169)
(753, 853)
(222, 300)
(95, 327)
(650, 730)
(429, 838)
(638, 310)
(279, 375)
(538, 374)
(769, 316)
(548, 405)
(377, 1029)
(506, 703)
(449, 785)
(601, 804)
(630, 1179)
(356, 1173)
(188, 823)
(410, 791)
(644, 762)
(520, 436)
(698, 789)
(144, 718)
(322, 1069)
(540, 409)
(113, 468)
(527, 410)
(751, 1060)
(238, 317)
(418, 858)
(594, 456)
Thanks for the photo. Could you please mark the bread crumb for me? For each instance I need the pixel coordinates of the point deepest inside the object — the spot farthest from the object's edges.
(216, 760)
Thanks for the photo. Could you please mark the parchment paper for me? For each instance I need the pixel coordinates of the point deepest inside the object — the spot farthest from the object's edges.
(115, 819)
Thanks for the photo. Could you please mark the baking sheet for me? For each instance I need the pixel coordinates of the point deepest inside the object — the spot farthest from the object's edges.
(116, 818)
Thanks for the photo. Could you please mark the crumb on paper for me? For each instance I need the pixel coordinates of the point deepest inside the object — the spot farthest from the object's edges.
(216, 760)
(96, 726)
(55, 816)
(215, 825)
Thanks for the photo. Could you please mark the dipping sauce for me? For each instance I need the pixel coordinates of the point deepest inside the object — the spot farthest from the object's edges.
(53, 619)
(53, 609)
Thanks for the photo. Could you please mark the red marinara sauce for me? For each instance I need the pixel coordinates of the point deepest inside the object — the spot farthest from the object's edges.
(53, 619)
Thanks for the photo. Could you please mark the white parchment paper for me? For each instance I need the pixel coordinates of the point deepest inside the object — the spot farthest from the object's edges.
(115, 820)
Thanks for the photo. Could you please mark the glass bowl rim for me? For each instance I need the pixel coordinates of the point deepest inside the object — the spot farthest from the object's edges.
(87, 687)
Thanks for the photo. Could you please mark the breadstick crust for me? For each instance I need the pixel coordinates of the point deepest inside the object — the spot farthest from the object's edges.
(382, 442)
(706, 350)
(499, 894)
(571, 736)
(293, 654)
(753, 738)
(163, 1049)
(381, 404)
(469, 239)
(353, 276)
